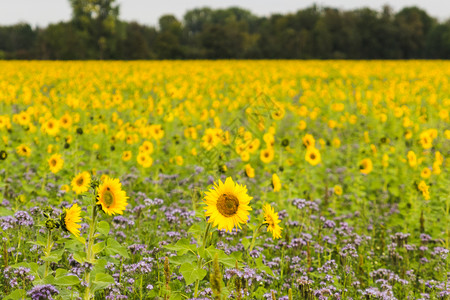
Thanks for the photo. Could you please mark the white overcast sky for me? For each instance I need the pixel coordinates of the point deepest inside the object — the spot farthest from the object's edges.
(43, 12)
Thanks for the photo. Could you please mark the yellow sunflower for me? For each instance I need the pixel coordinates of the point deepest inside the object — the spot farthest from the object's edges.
(70, 219)
(267, 155)
(126, 155)
(55, 163)
(366, 166)
(111, 196)
(81, 182)
(144, 160)
(337, 190)
(23, 150)
(276, 183)
(313, 156)
(227, 205)
(272, 221)
(249, 171)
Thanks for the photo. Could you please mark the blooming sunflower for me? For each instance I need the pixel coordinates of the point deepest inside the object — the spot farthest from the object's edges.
(266, 155)
(313, 156)
(249, 171)
(366, 166)
(338, 190)
(227, 205)
(81, 182)
(23, 150)
(55, 163)
(111, 196)
(70, 218)
(144, 160)
(272, 221)
(126, 155)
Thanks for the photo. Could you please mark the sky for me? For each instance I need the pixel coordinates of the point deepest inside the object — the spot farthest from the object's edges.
(43, 12)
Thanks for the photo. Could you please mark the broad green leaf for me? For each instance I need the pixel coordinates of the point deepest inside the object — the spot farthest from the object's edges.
(245, 242)
(97, 248)
(182, 246)
(117, 248)
(262, 267)
(16, 294)
(67, 280)
(103, 227)
(80, 257)
(102, 281)
(191, 273)
(179, 260)
(60, 273)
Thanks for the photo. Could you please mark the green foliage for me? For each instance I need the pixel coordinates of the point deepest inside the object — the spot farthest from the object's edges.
(95, 32)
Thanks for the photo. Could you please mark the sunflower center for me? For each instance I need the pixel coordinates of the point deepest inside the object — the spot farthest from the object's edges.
(227, 205)
(108, 198)
(80, 181)
(313, 156)
(53, 162)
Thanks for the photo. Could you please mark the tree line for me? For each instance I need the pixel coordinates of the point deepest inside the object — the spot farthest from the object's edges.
(96, 32)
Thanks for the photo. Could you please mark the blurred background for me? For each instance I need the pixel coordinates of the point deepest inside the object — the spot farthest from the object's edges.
(198, 29)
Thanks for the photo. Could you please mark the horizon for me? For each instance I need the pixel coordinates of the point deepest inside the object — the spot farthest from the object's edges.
(54, 11)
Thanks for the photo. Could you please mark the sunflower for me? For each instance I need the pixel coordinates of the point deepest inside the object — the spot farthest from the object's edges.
(266, 155)
(309, 141)
(81, 183)
(426, 173)
(272, 221)
(126, 155)
(111, 196)
(366, 166)
(313, 156)
(227, 205)
(51, 127)
(146, 147)
(337, 190)
(276, 183)
(55, 163)
(3, 155)
(412, 159)
(70, 218)
(249, 171)
(23, 150)
(144, 160)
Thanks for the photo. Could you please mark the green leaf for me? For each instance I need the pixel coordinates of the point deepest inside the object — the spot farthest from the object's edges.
(55, 256)
(262, 267)
(60, 273)
(102, 281)
(80, 257)
(6, 212)
(182, 246)
(179, 260)
(97, 248)
(245, 242)
(67, 280)
(16, 294)
(103, 227)
(117, 248)
(191, 273)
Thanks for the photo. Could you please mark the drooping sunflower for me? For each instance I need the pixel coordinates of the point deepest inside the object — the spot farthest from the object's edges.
(227, 205)
(249, 171)
(272, 221)
(55, 162)
(313, 156)
(81, 183)
(366, 166)
(23, 150)
(412, 159)
(70, 218)
(276, 183)
(111, 196)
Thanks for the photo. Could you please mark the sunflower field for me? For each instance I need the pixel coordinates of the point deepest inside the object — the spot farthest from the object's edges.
(225, 180)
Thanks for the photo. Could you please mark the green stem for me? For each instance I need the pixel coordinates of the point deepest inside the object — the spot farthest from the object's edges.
(48, 249)
(90, 257)
(255, 233)
(199, 260)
